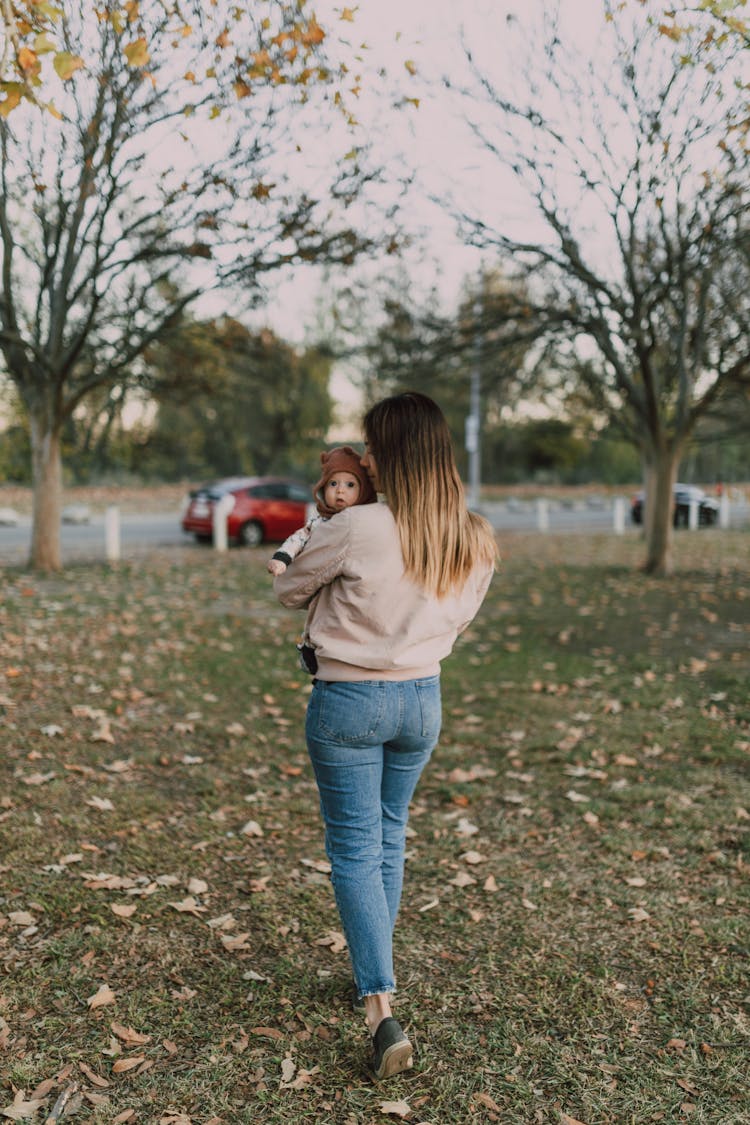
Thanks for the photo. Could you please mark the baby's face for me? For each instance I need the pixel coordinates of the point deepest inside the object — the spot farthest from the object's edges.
(341, 491)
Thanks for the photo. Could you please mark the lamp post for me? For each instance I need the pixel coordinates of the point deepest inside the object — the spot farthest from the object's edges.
(473, 420)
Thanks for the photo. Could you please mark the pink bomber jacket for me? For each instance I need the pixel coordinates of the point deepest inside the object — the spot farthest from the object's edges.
(365, 619)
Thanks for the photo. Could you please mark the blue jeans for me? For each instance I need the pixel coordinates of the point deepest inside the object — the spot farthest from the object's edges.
(368, 743)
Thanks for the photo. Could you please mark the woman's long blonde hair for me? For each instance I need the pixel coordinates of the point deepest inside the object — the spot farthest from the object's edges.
(441, 540)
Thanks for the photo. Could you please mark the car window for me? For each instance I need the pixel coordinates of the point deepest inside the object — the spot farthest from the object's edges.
(261, 492)
(299, 492)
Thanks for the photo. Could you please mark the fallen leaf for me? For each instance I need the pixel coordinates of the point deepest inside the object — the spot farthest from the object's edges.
(462, 879)
(334, 940)
(197, 887)
(566, 1119)
(103, 732)
(288, 1070)
(19, 1109)
(129, 1035)
(252, 828)
(576, 797)
(395, 1109)
(21, 918)
(93, 1076)
(126, 1115)
(638, 914)
(528, 905)
(233, 942)
(267, 1032)
(103, 804)
(473, 858)
(38, 778)
(487, 1101)
(188, 906)
(130, 1063)
(103, 996)
(123, 910)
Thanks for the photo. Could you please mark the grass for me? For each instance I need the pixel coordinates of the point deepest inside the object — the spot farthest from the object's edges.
(574, 936)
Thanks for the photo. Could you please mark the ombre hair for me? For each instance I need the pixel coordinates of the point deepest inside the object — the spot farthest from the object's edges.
(441, 540)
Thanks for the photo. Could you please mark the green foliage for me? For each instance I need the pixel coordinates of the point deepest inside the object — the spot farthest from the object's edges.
(233, 402)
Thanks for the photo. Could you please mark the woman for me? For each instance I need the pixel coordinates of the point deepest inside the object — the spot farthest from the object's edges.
(389, 587)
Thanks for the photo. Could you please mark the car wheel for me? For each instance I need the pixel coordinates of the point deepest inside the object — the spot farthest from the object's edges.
(201, 537)
(251, 534)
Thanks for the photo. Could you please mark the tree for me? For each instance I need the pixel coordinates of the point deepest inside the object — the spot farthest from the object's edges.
(103, 207)
(264, 405)
(638, 248)
(423, 348)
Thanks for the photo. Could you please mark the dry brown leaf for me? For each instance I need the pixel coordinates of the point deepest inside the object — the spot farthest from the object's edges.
(21, 918)
(473, 858)
(123, 910)
(126, 1115)
(197, 887)
(252, 828)
(395, 1109)
(129, 1035)
(486, 1100)
(566, 1119)
(19, 1109)
(462, 879)
(103, 804)
(638, 914)
(288, 1070)
(130, 1063)
(188, 906)
(334, 940)
(267, 1032)
(103, 996)
(103, 733)
(233, 942)
(38, 778)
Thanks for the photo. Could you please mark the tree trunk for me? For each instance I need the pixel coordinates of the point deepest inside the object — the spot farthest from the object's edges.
(658, 509)
(47, 480)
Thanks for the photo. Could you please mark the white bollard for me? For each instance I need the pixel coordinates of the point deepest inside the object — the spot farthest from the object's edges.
(725, 516)
(222, 508)
(112, 532)
(618, 515)
(693, 515)
(542, 515)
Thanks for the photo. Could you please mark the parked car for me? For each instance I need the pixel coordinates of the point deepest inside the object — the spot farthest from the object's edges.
(262, 508)
(684, 496)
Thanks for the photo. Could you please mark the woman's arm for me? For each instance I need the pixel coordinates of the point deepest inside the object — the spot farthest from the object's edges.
(321, 561)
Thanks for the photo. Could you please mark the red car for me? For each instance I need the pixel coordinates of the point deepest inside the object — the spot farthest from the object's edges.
(262, 508)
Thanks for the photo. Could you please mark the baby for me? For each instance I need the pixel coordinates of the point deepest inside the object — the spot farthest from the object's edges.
(343, 482)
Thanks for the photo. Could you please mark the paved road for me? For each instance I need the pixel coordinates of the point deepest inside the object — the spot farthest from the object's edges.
(142, 533)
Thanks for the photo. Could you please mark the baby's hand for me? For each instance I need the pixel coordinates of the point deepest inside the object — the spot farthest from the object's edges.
(276, 567)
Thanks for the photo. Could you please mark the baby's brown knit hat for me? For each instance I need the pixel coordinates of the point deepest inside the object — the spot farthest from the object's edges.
(342, 459)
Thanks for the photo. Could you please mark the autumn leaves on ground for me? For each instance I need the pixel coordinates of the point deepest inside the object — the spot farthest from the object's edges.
(574, 938)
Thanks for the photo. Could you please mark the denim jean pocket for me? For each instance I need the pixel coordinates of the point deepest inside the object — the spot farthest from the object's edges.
(428, 694)
(350, 713)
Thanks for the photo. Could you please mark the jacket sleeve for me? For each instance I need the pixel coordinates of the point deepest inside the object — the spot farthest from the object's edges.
(480, 584)
(292, 546)
(321, 561)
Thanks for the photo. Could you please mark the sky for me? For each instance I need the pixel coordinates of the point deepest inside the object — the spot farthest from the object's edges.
(425, 36)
